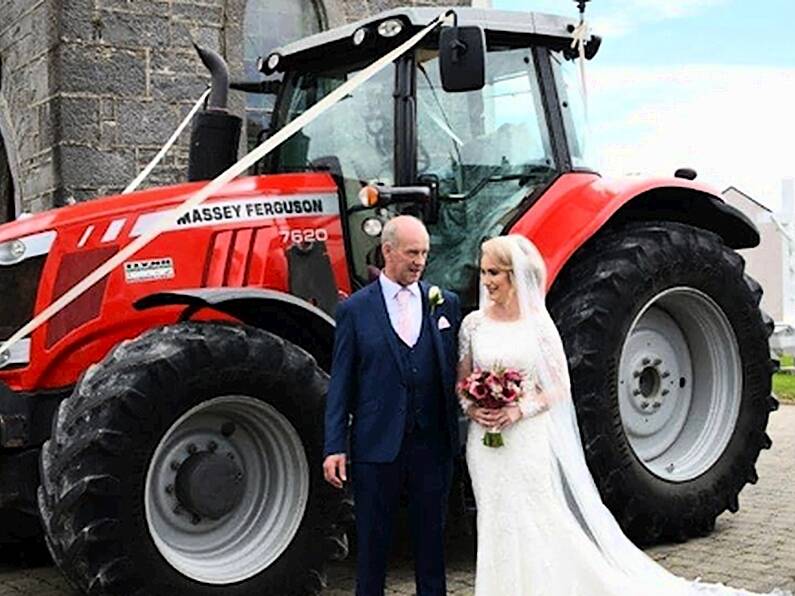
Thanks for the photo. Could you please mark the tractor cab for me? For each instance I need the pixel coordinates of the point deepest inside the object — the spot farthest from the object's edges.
(466, 161)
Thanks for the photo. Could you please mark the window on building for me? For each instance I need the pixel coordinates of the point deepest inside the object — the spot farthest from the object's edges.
(269, 24)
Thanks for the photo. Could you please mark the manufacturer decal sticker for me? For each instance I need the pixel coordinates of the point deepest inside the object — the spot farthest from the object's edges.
(149, 270)
(247, 210)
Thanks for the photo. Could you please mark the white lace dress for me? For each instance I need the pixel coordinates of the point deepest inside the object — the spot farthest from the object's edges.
(528, 543)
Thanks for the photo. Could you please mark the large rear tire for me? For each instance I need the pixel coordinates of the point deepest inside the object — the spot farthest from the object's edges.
(189, 462)
(671, 374)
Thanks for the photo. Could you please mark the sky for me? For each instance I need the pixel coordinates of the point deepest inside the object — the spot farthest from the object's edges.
(706, 84)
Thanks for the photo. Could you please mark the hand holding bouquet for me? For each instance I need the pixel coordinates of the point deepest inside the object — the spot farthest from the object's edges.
(492, 390)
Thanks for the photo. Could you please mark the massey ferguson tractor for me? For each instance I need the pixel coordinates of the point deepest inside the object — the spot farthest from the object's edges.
(166, 427)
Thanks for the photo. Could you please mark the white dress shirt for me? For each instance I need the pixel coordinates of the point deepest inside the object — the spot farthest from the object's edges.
(390, 289)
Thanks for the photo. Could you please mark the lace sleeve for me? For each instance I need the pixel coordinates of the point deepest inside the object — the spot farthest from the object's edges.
(532, 402)
(465, 355)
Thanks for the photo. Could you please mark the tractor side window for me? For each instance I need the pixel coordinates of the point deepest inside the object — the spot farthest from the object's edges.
(489, 149)
(572, 102)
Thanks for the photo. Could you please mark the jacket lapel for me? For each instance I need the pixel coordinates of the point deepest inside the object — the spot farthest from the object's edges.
(433, 327)
(384, 324)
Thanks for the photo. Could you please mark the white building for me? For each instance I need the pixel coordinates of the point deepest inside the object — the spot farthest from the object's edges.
(772, 263)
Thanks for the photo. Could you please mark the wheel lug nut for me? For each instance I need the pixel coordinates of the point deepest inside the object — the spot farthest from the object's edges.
(228, 429)
(636, 373)
(644, 405)
(192, 448)
(657, 362)
(170, 489)
(178, 510)
(656, 405)
(636, 392)
(230, 455)
(665, 392)
(175, 465)
(212, 446)
(646, 361)
(666, 374)
(195, 520)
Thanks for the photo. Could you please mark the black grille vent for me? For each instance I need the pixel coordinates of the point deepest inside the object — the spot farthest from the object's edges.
(18, 286)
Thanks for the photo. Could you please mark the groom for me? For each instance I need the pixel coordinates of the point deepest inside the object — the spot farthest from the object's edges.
(393, 369)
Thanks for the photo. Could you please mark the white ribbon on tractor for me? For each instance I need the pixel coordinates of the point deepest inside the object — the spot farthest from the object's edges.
(171, 216)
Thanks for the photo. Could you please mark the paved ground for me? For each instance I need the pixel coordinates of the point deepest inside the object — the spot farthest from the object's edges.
(754, 549)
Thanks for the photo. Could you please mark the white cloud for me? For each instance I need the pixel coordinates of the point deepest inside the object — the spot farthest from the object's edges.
(728, 122)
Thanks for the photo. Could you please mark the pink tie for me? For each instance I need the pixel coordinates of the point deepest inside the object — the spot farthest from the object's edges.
(404, 315)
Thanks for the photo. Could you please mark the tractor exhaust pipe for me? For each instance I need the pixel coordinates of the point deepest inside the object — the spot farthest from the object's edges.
(215, 134)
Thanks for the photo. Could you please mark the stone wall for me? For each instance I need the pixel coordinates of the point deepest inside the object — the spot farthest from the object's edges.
(90, 89)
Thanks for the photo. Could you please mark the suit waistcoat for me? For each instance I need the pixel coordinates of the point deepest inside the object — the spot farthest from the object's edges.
(423, 382)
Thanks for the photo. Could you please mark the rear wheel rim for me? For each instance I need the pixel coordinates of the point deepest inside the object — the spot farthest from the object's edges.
(247, 540)
(680, 384)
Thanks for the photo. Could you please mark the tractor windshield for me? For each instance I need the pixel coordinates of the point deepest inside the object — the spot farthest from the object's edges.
(486, 150)
(489, 149)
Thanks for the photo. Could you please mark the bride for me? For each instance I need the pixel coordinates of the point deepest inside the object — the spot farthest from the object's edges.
(542, 528)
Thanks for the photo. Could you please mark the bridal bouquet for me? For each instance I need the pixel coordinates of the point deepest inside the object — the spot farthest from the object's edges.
(493, 390)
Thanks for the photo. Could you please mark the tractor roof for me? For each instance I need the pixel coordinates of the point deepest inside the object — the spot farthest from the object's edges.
(548, 26)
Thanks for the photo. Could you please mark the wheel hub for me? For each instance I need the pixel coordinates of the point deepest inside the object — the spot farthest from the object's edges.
(209, 485)
(226, 489)
(679, 383)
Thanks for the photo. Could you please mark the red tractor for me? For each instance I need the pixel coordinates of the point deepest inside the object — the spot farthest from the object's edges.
(167, 425)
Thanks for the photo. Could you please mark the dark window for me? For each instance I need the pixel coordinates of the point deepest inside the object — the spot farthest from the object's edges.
(6, 187)
(269, 24)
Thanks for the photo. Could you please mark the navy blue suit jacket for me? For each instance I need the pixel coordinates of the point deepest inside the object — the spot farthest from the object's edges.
(367, 380)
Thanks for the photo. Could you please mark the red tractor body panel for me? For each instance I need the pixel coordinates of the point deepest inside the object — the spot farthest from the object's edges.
(236, 239)
(240, 237)
(576, 207)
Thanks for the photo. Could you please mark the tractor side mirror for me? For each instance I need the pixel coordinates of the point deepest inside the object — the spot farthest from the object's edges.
(462, 58)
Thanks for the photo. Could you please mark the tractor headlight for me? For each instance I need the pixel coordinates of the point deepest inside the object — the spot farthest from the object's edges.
(359, 36)
(12, 252)
(19, 249)
(390, 28)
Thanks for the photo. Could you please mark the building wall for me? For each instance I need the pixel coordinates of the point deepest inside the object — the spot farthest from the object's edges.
(90, 89)
(767, 263)
(27, 42)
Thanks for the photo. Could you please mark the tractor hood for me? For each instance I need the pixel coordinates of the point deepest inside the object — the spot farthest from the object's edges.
(142, 208)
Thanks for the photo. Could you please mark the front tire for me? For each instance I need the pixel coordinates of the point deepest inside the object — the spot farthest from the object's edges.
(671, 374)
(189, 462)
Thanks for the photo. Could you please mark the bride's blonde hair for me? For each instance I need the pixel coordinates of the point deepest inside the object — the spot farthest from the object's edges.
(499, 249)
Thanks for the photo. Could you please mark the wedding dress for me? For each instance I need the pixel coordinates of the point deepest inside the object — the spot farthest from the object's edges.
(542, 529)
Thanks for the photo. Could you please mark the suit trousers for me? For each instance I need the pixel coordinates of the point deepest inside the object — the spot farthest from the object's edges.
(425, 468)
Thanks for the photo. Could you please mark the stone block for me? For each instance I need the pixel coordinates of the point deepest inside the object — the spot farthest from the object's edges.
(185, 34)
(41, 177)
(89, 167)
(134, 30)
(80, 21)
(108, 134)
(150, 7)
(171, 60)
(199, 13)
(102, 70)
(145, 123)
(178, 87)
(78, 119)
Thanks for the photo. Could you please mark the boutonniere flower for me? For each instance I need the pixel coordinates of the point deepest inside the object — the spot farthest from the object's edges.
(435, 297)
